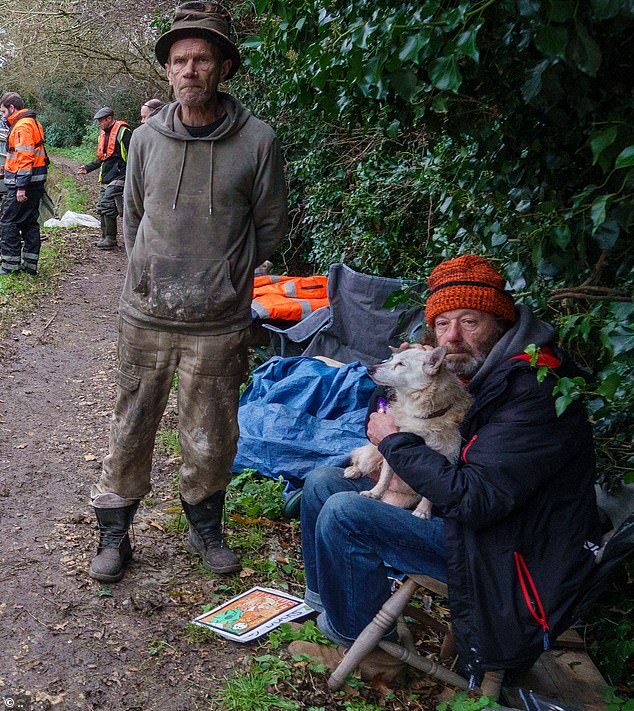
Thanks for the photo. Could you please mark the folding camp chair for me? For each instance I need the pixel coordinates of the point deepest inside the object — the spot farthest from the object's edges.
(356, 325)
(619, 547)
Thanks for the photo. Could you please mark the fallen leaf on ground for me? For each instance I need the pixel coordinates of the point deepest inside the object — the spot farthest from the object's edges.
(90, 457)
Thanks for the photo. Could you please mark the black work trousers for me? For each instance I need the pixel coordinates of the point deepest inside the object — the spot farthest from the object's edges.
(20, 230)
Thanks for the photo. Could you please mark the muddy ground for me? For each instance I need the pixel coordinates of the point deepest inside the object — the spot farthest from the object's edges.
(68, 642)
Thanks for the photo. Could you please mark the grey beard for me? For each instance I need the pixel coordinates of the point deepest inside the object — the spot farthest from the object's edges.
(469, 362)
(467, 365)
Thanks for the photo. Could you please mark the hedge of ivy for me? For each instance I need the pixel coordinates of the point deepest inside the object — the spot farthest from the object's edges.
(416, 131)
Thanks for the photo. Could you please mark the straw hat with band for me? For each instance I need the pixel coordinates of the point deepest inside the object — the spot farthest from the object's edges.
(208, 20)
(468, 282)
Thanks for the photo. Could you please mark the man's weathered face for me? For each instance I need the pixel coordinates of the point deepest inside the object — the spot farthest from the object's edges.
(195, 68)
(469, 336)
(7, 111)
(105, 123)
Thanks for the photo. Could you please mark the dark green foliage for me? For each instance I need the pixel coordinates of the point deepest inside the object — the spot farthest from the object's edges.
(418, 131)
(65, 114)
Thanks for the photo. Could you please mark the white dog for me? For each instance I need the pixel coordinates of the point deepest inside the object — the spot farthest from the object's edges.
(429, 401)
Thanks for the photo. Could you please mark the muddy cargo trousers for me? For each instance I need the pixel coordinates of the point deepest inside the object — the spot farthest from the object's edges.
(210, 370)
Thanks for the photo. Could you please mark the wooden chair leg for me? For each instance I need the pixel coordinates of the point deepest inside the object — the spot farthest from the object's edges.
(370, 637)
(425, 664)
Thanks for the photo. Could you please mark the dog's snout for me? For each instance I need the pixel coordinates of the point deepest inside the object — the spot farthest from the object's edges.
(371, 370)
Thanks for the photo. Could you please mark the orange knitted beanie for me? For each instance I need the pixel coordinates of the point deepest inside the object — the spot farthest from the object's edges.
(468, 282)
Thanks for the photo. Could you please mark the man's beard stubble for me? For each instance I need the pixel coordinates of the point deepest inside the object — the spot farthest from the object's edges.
(465, 362)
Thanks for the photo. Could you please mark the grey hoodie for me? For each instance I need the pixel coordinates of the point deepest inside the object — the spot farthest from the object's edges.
(199, 215)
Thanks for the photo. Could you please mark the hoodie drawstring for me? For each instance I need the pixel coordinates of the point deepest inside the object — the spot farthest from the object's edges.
(211, 177)
(180, 175)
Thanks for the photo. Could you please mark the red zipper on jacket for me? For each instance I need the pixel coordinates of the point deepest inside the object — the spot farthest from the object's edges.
(526, 581)
(463, 456)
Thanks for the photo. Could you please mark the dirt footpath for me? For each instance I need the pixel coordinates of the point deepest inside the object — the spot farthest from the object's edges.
(69, 642)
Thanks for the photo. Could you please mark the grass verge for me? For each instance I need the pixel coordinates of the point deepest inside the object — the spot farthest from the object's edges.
(20, 293)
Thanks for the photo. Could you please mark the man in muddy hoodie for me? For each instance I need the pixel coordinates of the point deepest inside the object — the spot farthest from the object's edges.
(205, 203)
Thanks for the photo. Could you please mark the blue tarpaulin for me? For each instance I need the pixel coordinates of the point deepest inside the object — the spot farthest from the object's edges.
(298, 414)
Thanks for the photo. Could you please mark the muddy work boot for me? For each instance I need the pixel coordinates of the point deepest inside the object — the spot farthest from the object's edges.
(205, 537)
(108, 233)
(114, 551)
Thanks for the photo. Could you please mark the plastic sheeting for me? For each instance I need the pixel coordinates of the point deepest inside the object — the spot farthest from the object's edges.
(73, 219)
(299, 413)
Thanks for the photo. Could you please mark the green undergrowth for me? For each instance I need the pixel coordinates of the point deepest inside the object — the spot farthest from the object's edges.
(86, 151)
(66, 193)
(21, 293)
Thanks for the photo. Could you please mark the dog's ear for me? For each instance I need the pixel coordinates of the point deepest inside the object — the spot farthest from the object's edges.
(436, 358)
(394, 350)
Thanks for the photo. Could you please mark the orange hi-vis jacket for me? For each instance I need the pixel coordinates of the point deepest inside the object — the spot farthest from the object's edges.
(288, 298)
(105, 151)
(26, 162)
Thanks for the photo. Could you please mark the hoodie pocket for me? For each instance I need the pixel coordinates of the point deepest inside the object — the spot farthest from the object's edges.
(187, 290)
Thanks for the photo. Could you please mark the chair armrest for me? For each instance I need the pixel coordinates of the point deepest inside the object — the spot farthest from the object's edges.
(306, 328)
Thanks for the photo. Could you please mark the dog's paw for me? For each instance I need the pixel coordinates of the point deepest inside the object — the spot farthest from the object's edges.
(372, 494)
(422, 514)
(352, 473)
(423, 510)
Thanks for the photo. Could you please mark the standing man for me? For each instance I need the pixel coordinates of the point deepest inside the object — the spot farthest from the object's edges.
(112, 156)
(25, 172)
(205, 203)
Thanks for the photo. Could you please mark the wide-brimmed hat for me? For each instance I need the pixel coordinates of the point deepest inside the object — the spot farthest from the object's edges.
(103, 112)
(468, 282)
(208, 20)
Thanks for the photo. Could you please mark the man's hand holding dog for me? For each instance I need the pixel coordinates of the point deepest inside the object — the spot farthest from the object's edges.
(380, 425)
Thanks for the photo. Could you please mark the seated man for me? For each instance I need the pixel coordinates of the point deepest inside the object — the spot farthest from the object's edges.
(515, 522)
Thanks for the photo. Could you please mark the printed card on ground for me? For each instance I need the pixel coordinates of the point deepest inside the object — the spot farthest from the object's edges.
(253, 614)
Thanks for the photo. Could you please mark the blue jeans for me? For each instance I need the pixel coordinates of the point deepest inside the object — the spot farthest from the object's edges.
(348, 542)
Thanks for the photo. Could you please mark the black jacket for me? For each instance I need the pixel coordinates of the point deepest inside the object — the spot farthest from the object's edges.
(113, 168)
(520, 513)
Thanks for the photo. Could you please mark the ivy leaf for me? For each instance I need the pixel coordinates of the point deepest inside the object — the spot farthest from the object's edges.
(562, 236)
(561, 404)
(585, 52)
(625, 159)
(609, 386)
(411, 48)
(552, 41)
(600, 141)
(598, 211)
(607, 234)
(254, 42)
(466, 43)
(405, 82)
(440, 103)
(560, 10)
(533, 85)
(445, 74)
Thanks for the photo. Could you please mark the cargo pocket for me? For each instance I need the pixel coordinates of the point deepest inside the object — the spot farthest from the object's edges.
(137, 347)
(128, 381)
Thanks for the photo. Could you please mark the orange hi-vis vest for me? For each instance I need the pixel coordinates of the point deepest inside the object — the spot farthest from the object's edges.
(288, 298)
(105, 151)
(26, 162)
